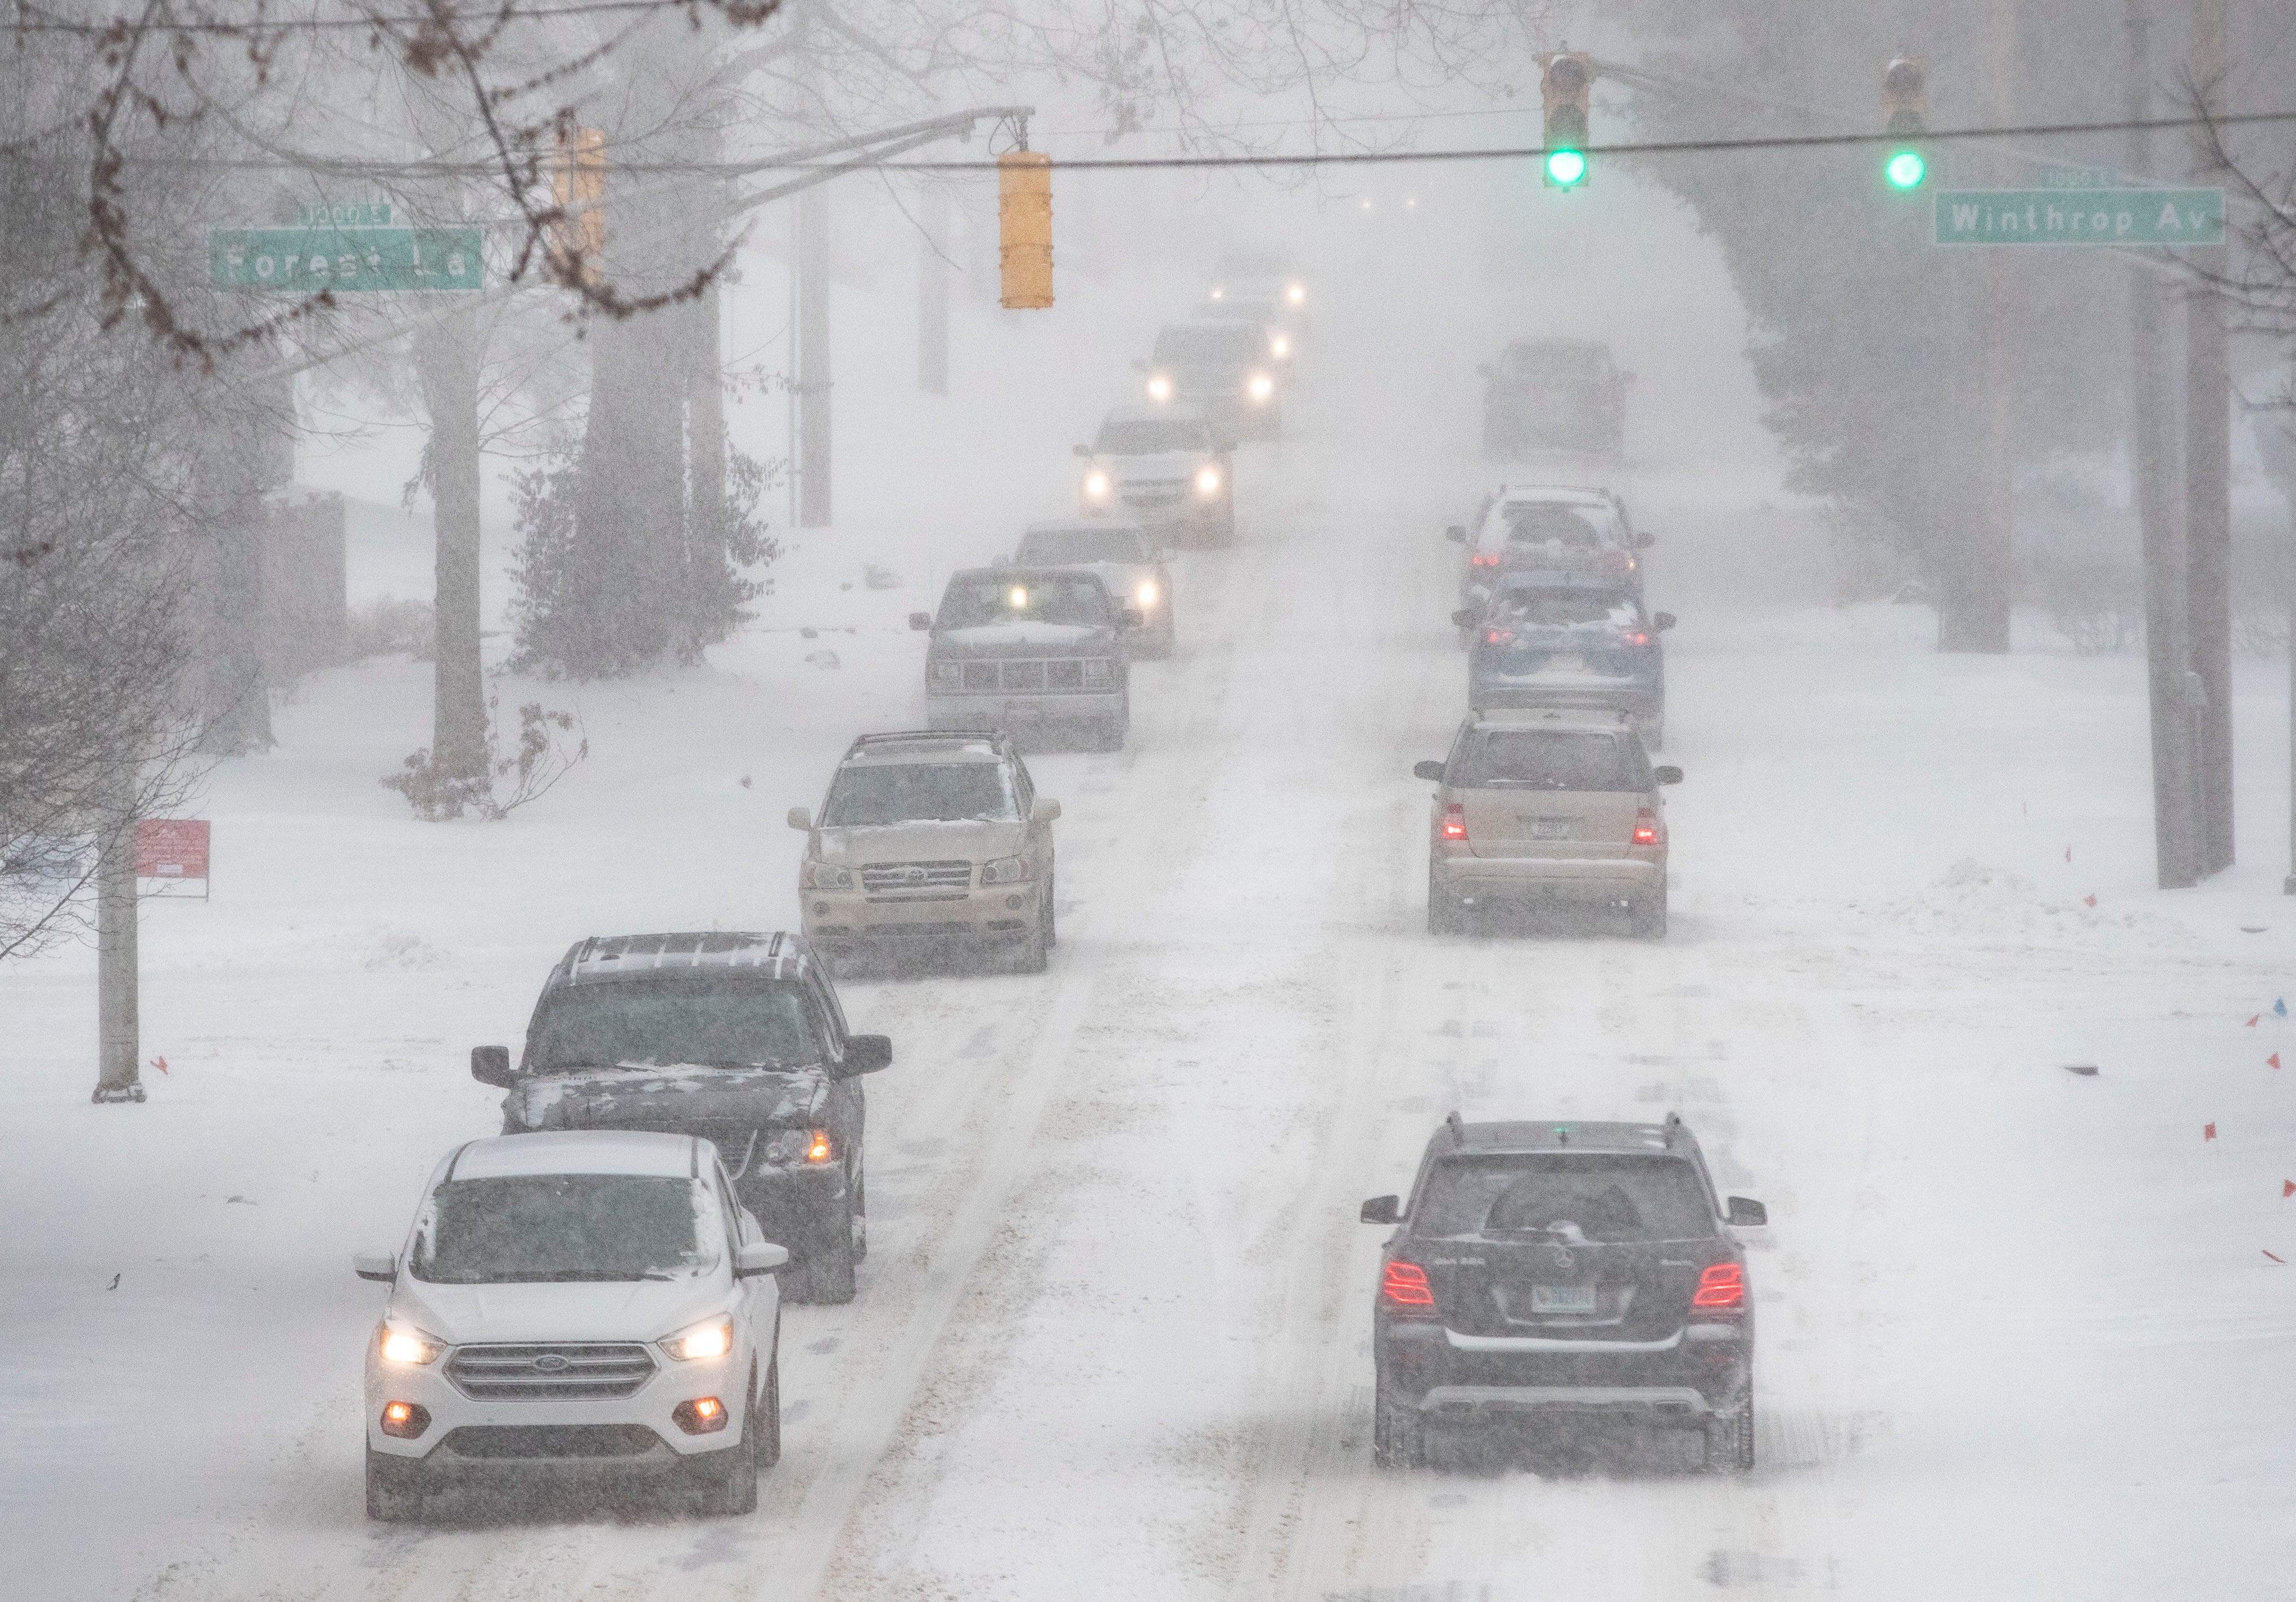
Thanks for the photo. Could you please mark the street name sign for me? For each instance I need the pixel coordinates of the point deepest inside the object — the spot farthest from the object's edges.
(304, 261)
(2080, 216)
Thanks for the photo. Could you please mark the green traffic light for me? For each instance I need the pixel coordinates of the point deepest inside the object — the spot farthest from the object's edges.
(1905, 169)
(1566, 168)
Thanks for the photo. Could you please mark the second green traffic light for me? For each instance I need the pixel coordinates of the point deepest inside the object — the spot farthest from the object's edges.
(1904, 169)
(1566, 168)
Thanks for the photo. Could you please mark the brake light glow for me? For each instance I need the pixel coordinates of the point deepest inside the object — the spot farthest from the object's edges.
(1497, 637)
(1638, 639)
(1484, 559)
(1454, 821)
(1722, 1286)
(1646, 827)
(1405, 1286)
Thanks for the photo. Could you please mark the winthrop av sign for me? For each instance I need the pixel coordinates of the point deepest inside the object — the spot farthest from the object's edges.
(2080, 216)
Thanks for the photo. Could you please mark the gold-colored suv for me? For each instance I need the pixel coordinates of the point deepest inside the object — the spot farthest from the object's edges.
(934, 845)
(1546, 806)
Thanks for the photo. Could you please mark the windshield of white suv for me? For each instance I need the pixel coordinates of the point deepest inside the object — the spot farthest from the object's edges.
(701, 1019)
(1148, 436)
(1064, 547)
(1224, 345)
(1552, 759)
(919, 792)
(550, 1228)
(1605, 1197)
(1036, 598)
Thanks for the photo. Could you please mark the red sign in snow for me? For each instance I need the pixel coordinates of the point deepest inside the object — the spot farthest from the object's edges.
(171, 848)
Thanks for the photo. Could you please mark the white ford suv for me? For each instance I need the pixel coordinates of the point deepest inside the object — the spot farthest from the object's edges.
(593, 1302)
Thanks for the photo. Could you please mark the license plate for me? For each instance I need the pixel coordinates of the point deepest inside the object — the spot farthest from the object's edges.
(1550, 828)
(1567, 662)
(1563, 1298)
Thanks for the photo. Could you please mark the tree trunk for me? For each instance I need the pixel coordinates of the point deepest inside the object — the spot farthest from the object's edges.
(813, 364)
(252, 452)
(2208, 493)
(448, 355)
(932, 289)
(705, 431)
(118, 1039)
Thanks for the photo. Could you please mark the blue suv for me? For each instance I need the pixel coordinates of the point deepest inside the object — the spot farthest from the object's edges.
(1564, 641)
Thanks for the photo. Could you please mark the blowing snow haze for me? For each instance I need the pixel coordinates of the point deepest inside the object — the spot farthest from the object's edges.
(1231, 800)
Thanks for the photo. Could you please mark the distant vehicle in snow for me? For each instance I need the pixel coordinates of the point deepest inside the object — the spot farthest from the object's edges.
(1546, 808)
(1228, 369)
(1032, 651)
(1559, 640)
(1554, 395)
(1137, 571)
(1545, 528)
(1162, 466)
(1559, 1275)
(593, 1304)
(930, 841)
(1259, 277)
(737, 1038)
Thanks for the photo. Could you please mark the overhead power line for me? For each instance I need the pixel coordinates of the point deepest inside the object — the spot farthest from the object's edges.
(28, 19)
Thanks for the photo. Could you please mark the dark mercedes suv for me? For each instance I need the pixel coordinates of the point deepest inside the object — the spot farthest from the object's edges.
(1559, 1275)
(736, 1038)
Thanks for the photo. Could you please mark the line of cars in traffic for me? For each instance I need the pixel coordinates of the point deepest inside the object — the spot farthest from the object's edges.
(1548, 795)
(1038, 643)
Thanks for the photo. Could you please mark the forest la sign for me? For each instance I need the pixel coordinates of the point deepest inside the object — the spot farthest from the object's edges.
(2080, 216)
(303, 261)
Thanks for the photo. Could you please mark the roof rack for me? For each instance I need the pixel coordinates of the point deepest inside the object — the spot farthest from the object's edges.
(911, 735)
(1457, 1125)
(1673, 1127)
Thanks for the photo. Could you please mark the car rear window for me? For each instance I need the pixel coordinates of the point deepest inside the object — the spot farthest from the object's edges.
(1564, 609)
(1036, 598)
(1602, 1198)
(1061, 547)
(1151, 436)
(1227, 343)
(1530, 522)
(538, 1228)
(704, 1020)
(919, 792)
(1552, 758)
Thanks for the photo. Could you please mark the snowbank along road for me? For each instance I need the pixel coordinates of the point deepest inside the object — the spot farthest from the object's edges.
(1112, 1338)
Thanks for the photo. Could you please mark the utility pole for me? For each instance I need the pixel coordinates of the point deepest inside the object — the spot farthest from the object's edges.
(813, 364)
(446, 357)
(1975, 613)
(2276, 442)
(2208, 480)
(119, 1076)
(2153, 457)
(251, 449)
(932, 289)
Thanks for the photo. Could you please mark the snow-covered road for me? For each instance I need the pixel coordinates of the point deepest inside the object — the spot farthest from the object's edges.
(2018, 1334)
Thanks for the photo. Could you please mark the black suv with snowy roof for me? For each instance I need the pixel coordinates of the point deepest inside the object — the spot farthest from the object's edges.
(1562, 1275)
(736, 1038)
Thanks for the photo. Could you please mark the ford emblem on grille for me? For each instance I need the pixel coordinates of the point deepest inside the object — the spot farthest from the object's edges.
(1562, 1257)
(551, 1362)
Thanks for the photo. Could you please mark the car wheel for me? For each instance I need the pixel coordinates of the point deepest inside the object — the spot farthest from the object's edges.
(729, 1479)
(828, 1274)
(1110, 734)
(394, 1488)
(1034, 954)
(1730, 1439)
(1445, 916)
(1399, 1434)
(1649, 916)
(861, 1217)
(1052, 912)
(769, 1411)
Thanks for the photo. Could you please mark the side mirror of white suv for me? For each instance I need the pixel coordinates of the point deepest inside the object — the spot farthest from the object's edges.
(380, 1266)
(762, 1257)
(1045, 810)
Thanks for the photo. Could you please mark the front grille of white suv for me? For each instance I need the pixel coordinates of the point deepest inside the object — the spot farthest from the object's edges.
(917, 881)
(553, 1373)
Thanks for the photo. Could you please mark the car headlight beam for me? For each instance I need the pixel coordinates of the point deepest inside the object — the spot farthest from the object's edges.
(1159, 386)
(1208, 482)
(404, 1346)
(1097, 485)
(1261, 386)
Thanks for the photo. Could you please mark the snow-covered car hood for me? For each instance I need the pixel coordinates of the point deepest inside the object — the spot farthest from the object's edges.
(979, 839)
(1157, 465)
(1003, 639)
(640, 1309)
(682, 1100)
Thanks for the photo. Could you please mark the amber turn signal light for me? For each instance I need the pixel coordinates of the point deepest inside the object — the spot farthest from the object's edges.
(405, 1420)
(704, 1417)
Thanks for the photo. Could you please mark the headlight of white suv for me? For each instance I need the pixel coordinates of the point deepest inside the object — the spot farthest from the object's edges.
(1099, 670)
(404, 1346)
(1208, 480)
(1004, 870)
(821, 876)
(712, 1337)
(1095, 485)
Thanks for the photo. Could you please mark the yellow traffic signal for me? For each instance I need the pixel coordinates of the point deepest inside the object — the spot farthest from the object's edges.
(1024, 219)
(577, 184)
(1565, 80)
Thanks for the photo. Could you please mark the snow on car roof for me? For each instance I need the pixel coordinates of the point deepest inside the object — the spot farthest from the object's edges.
(1564, 1135)
(925, 746)
(578, 1151)
(1564, 495)
(616, 957)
